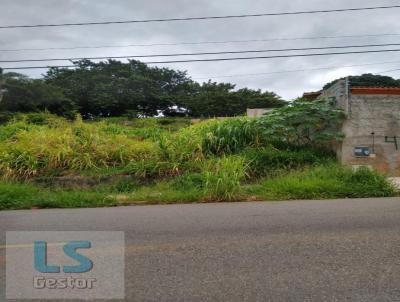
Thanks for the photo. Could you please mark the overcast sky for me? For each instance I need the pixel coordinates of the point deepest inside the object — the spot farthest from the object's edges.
(287, 85)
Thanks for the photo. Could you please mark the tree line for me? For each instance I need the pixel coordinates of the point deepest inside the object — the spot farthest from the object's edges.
(114, 88)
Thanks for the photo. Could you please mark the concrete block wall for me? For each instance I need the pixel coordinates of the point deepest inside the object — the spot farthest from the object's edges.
(378, 114)
(339, 94)
(368, 110)
(257, 112)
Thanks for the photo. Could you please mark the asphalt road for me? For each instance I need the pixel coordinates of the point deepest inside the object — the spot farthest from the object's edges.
(342, 250)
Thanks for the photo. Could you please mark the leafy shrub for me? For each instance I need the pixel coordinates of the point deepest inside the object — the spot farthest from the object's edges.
(298, 124)
(42, 118)
(303, 123)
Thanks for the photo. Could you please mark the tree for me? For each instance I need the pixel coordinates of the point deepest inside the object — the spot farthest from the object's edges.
(220, 99)
(369, 80)
(26, 95)
(258, 99)
(114, 88)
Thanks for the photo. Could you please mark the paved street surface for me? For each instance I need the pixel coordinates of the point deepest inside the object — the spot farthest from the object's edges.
(342, 250)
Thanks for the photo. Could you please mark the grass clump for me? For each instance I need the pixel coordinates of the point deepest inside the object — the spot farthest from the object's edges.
(222, 178)
(26, 196)
(188, 181)
(162, 192)
(213, 137)
(219, 180)
(231, 136)
(270, 160)
(320, 182)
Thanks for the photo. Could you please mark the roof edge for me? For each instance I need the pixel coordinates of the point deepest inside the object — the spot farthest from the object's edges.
(376, 90)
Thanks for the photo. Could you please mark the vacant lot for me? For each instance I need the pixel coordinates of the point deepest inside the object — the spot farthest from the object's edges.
(47, 161)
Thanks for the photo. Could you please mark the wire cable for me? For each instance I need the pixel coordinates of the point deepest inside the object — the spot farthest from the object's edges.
(200, 53)
(203, 42)
(274, 57)
(296, 70)
(224, 59)
(204, 18)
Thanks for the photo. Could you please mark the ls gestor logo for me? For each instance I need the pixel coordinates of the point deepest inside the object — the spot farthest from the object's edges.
(70, 249)
(52, 265)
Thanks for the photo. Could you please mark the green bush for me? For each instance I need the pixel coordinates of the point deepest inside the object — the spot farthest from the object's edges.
(42, 118)
(303, 123)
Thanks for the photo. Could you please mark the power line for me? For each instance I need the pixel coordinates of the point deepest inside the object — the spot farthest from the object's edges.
(229, 59)
(274, 57)
(258, 74)
(37, 67)
(297, 70)
(390, 70)
(203, 18)
(200, 53)
(204, 42)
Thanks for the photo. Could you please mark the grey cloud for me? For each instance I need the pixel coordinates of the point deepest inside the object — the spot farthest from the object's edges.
(288, 85)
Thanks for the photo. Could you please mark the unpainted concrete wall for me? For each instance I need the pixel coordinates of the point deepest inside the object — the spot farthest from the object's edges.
(379, 114)
(367, 114)
(257, 112)
(339, 94)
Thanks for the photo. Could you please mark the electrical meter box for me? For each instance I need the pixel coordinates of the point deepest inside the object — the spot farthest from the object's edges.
(361, 151)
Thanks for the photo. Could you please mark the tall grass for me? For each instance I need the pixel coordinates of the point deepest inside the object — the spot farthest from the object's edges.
(320, 182)
(222, 178)
(231, 135)
(213, 137)
(270, 160)
(209, 161)
(36, 150)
